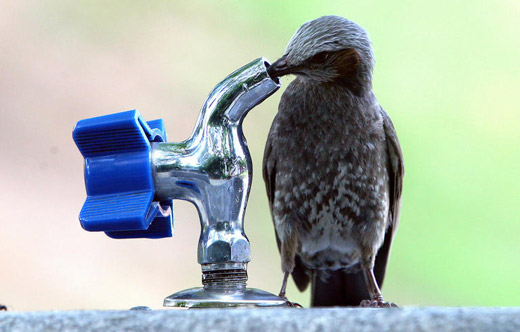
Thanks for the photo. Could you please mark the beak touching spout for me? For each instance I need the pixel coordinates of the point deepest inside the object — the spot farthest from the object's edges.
(279, 68)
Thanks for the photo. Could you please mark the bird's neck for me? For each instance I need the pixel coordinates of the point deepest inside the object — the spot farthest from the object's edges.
(313, 102)
(357, 85)
(321, 111)
(354, 85)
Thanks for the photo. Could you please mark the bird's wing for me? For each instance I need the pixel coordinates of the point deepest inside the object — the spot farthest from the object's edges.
(300, 274)
(395, 168)
(396, 173)
(269, 173)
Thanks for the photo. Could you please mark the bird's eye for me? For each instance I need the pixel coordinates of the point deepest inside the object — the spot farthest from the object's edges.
(320, 57)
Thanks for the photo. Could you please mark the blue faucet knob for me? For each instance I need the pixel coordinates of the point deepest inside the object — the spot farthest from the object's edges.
(118, 176)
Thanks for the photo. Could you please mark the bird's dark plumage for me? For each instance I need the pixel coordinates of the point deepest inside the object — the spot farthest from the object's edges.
(333, 166)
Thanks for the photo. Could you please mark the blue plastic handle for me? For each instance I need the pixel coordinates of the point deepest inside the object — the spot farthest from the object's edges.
(118, 176)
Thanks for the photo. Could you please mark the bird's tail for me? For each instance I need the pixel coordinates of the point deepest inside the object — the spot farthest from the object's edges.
(337, 288)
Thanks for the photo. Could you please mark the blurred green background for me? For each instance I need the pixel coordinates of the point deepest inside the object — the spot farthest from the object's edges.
(447, 73)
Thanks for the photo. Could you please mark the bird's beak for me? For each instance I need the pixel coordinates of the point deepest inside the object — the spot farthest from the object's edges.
(279, 68)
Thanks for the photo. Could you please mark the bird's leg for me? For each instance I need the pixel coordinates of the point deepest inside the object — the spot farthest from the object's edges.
(284, 286)
(376, 298)
(282, 292)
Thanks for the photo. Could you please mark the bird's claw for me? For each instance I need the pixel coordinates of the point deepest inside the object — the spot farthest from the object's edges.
(377, 303)
(293, 304)
(289, 303)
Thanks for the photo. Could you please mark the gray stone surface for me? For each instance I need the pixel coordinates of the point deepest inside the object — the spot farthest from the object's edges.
(322, 320)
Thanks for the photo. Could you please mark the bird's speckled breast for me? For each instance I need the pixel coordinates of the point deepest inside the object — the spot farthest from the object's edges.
(331, 175)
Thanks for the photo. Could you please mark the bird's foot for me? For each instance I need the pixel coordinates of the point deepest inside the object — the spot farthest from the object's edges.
(377, 303)
(289, 303)
(3, 307)
(293, 304)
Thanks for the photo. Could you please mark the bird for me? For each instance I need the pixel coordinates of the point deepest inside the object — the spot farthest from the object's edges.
(333, 167)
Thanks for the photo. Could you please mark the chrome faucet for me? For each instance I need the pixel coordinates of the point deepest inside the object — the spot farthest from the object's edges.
(211, 169)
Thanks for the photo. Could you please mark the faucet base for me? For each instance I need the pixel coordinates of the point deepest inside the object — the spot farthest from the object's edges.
(223, 298)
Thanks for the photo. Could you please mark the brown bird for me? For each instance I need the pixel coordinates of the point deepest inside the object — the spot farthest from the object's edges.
(333, 167)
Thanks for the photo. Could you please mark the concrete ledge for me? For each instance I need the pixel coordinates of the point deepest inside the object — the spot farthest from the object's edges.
(319, 320)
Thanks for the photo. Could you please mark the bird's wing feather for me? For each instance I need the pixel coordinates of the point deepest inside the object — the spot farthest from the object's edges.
(269, 173)
(396, 174)
(300, 274)
(395, 168)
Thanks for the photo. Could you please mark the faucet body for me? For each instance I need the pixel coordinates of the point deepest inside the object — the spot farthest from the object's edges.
(212, 169)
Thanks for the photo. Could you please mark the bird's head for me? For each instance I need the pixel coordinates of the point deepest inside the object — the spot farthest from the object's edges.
(329, 49)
